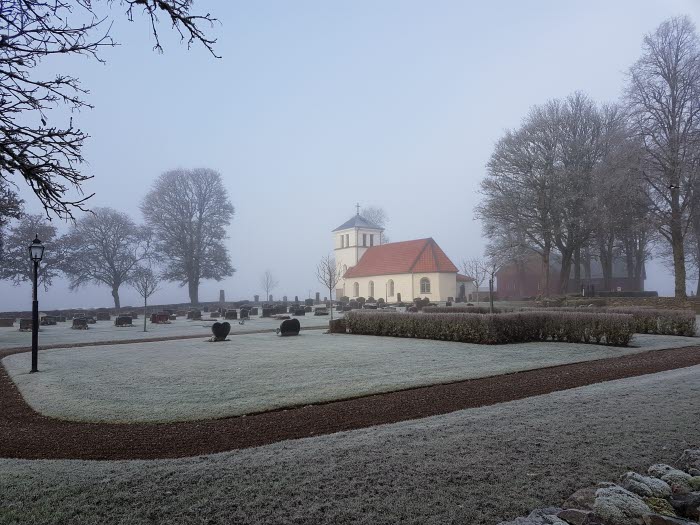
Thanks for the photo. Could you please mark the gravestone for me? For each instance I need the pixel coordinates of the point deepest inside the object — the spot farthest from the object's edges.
(220, 331)
(254, 310)
(222, 299)
(318, 297)
(25, 325)
(195, 315)
(231, 314)
(173, 317)
(123, 320)
(321, 311)
(270, 298)
(266, 312)
(245, 314)
(80, 323)
(91, 320)
(308, 309)
(160, 318)
(284, 299)
(308, 302)
(214, 315)
(7, 321)
(296, 298)
(299, 311)
(398, 297)
(256, 298)
(289, 327)
(48, 320)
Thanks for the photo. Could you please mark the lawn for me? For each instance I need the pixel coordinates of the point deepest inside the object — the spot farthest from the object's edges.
(475, 466)
(194, 379)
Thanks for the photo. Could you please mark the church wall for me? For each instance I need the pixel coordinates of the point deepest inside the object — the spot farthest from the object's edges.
(442, 286)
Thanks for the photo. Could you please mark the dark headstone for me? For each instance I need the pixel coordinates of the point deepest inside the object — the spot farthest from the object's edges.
(308, 309)
(308, 302)
(80, 323)
(7, 321)
(318, 297)
(290, 327)
(231, 314)
(48, 320)
(173, 317)
(123, 320)
(398, 297)
(25, 325)
(245, 313)
(160, 318)
(299, 311)
(321, 311)
(220, 330)
(256, 298)
(267, 312)
(254, 310)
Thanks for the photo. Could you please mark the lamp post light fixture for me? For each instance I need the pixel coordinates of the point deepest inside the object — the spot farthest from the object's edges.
(36, 253)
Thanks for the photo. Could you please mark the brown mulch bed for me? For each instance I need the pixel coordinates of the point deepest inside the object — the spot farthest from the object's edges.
(26, 434)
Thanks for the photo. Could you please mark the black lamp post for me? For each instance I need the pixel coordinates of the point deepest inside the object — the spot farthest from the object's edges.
(36, 252)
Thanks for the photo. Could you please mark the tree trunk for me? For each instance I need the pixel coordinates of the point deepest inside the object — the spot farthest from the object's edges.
(678, 259)
(606, 262)
(565, 272)
(145, 313)
(545, 269)
(194, 292)
(577, 270)
(115, 295)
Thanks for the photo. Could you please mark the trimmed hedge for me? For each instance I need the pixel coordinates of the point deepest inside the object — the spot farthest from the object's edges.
(463, 310)
(646, 320)
(520, 327)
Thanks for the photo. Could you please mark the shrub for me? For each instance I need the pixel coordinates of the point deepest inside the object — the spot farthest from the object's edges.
(645, 320)
(520, 327)
(466, 309)
(361, 300)
(344, 299)
(380, 300)
(370, 299)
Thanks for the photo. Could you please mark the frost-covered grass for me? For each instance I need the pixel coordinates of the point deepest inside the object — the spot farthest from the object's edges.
(194, 379)
(62, 333)
(475, 466)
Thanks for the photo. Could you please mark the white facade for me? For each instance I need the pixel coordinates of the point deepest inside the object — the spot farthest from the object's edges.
(408, 285)
(351, 244)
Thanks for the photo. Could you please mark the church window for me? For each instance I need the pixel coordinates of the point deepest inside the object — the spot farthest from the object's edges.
(425, 285)
(364, 239)
(342, 241)
(371, 289)
(371, 239)
(347, 240)
(356, 290)
(391, 288)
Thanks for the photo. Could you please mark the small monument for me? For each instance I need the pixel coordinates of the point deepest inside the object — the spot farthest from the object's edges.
(220, 331)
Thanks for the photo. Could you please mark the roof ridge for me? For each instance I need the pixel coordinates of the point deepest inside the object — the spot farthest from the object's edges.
(415, 261)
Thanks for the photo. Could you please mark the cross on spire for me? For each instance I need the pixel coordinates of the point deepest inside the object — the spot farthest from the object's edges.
(358, 208)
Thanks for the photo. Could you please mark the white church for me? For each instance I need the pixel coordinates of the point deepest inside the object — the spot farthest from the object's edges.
(393, 271)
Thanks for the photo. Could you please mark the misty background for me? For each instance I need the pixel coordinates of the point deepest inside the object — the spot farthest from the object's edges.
(315, 107)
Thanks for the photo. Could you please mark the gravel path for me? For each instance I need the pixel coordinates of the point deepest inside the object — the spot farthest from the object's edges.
(196, 380)
(474, 466)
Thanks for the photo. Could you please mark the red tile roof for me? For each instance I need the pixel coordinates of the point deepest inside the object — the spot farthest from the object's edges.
(419, 256)
(464, 278)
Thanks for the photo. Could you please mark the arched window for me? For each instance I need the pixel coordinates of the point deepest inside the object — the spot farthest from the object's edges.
(425, 285)
(391, 287)
(356, 290)
(371, 289)
(345, 269)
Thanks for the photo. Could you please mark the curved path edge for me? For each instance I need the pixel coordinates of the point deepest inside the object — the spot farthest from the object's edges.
(26, 434)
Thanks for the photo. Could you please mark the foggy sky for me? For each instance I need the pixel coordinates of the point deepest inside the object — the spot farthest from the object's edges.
(315, 106)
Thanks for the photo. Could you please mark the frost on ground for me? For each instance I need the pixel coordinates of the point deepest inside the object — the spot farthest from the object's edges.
(477, 466)
(63, 334)
(194, 379)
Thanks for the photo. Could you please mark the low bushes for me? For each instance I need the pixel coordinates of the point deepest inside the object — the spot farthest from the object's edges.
(520, 327)
(645, 320)
(468, 309)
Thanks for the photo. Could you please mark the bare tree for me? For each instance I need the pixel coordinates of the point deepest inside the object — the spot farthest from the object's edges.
(663, 94)
(15, 264)
(268, 283)
(105, 247)
(475, 268)
(145, 282)
(48, 154)
(10, 208)
(378, 217)
(328, 274)
(189, 211)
